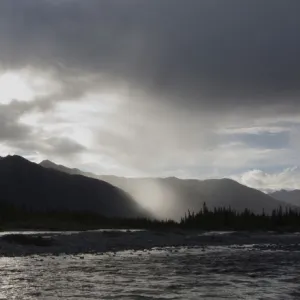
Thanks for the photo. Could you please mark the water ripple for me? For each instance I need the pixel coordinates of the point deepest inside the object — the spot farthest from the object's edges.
(171, 273)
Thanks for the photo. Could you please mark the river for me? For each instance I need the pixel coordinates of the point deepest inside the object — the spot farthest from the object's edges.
(212, 272)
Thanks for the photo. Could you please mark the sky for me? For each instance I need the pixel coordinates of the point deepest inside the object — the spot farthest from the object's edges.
(193, 89)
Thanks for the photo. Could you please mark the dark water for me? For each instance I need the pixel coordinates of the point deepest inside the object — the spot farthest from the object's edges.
(246, 272)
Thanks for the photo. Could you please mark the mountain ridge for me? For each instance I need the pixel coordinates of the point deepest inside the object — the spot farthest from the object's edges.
(172, 197)
(288, 196)
(27, 184)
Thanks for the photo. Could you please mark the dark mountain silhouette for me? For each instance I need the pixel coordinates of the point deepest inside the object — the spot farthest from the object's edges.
(50, 165)
(173, 197)
(291, 197)
(29, 185)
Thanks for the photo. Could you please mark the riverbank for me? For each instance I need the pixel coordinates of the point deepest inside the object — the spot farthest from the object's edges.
(112, 241)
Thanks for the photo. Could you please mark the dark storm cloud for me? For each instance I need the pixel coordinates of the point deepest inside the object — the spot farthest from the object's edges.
(10, 128)
(64, 146)
(217, 53)
(18, 135)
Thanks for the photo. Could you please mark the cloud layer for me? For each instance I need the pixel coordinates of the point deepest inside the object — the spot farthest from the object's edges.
(288, 179)
(187, 88)
(240, 53)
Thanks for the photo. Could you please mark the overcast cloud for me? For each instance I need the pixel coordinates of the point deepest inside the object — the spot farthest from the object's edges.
(157, 88)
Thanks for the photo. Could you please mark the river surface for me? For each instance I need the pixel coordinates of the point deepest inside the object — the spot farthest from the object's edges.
(217, 272)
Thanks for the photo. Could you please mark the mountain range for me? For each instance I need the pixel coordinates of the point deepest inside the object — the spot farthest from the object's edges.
(291, 197)
(31, 186)
(51, 187)
(173, 197)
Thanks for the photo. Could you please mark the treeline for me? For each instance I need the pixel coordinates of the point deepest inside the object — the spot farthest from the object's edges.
(17, 218)
(13, 217)
(230, 219)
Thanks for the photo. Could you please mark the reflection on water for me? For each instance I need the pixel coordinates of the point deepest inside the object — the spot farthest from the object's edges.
(173, 273)
(53, 232)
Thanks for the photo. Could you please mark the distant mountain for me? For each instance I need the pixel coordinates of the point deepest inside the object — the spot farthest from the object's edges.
(30, 185)
(73, 171)
(291, 197)
(173, 197)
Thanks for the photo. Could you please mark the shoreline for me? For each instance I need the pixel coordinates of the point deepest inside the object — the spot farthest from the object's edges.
(104, 241)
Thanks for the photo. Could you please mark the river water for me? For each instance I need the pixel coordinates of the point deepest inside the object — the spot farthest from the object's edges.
(218, 272)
